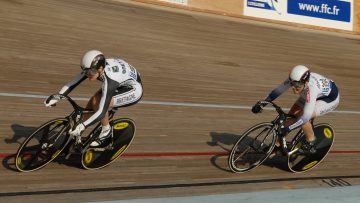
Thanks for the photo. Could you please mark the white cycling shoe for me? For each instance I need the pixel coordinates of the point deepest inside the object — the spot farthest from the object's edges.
(103, 140)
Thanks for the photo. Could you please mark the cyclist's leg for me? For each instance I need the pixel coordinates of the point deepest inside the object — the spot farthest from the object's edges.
(321, 108)
(297, 110)
(308, 130)
(93, 104)
(106, 132)
(126, 96)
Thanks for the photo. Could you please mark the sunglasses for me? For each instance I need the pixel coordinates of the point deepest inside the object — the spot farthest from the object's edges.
(296, 83)
(90, 71)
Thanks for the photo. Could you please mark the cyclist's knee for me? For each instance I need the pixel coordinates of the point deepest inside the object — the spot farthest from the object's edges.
(307, 128)
(94, 102)
(295, 110)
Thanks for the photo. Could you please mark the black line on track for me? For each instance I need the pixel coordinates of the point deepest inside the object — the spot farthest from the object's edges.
(167, 186)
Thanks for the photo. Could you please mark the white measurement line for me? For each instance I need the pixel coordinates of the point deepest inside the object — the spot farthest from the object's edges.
(4, 94)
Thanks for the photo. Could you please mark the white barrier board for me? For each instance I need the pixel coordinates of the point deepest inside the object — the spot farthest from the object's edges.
(182, 2)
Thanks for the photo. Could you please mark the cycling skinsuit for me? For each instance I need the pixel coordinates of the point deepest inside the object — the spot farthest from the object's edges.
(320, 96)
(120, 81)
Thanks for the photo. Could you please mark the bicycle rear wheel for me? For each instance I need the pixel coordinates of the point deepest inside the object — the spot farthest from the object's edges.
(252, 148)
(301, 162)
(43, 145)
(123, 134)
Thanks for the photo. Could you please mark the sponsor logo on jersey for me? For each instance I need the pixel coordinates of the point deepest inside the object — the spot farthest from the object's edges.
(126, 98)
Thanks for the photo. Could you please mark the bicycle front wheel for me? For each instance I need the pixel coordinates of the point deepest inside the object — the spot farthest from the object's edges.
(252, 148)
(43, 145)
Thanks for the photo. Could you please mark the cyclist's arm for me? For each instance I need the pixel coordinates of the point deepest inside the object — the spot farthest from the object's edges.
(72, 84)
(108, 91)
(309, 108)
(278, 91)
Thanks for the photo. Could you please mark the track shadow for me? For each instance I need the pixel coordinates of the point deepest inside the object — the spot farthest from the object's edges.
(20, 134)
(74, 161)
(9, 162)
(226, 142)
(279, 162)
(221, 139)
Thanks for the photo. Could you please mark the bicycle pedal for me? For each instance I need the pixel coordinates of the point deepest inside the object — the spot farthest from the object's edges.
(305, 152)
(67, 156)
(109, 147)
(98, 149)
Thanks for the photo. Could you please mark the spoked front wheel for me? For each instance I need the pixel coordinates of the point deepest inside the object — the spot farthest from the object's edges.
(123, 134)
(252, 148)
(43, 145)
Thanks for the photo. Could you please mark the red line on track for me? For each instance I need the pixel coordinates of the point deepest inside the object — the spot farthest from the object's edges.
(173, 154)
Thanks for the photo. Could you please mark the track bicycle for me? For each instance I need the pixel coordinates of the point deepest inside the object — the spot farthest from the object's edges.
(258, 142)
(49, 140)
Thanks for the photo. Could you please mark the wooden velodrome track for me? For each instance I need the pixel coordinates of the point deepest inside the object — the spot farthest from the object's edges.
(183, 57)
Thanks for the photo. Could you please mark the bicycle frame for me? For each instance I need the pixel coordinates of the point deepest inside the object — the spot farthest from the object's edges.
(53, 137)
(257, 143)
(76, 117)
(278, 123)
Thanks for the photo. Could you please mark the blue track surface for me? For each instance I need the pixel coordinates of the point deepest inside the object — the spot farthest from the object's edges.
(349, 194)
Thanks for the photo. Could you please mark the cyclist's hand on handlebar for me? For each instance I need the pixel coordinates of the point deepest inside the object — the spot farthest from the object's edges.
(78, 129)
(51, 102)
(257, 108)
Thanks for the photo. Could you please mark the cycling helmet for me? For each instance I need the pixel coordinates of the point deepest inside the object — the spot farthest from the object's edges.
(300, 74)
(92, 60)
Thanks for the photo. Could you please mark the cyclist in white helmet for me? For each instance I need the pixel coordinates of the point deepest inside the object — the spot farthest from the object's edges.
(121, 86)
(318, 96)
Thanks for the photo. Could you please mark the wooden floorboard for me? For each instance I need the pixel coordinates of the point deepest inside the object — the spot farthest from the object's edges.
(182, 57)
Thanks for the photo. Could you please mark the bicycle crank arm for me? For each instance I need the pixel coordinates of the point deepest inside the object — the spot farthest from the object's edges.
(292, 152)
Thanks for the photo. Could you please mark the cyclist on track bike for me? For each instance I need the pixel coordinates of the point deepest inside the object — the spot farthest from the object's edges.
(121, 86)
(318, 96)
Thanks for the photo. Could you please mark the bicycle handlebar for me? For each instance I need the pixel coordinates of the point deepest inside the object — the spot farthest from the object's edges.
(282, 114)
(77, 115)
(61, 97)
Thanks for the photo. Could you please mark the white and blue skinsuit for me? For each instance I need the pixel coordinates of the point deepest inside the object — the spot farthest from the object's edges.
(321, 96)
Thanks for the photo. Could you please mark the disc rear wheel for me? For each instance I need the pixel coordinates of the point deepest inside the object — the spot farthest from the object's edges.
(300, 162)
(123, 134)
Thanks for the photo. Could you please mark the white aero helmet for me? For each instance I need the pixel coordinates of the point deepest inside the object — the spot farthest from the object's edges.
(93, 60)
(299, 73)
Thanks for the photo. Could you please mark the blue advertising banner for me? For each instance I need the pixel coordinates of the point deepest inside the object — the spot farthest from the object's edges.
(326, 9)
(338, 14)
